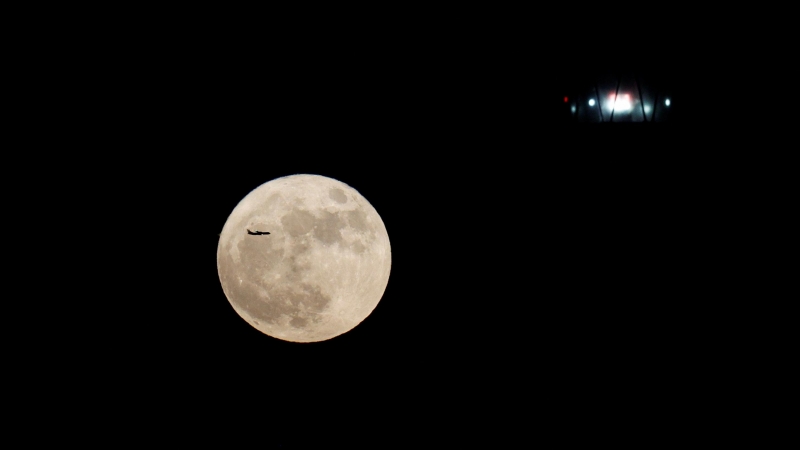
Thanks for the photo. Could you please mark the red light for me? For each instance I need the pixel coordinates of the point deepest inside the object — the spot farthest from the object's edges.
(566, 99)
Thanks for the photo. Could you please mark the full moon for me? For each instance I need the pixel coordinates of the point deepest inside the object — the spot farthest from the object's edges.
(321, 269)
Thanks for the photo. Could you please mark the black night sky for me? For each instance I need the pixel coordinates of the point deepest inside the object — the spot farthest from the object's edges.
(536, 261)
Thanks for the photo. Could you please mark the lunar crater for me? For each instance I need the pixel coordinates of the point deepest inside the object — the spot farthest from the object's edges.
(337, 195)
(298, 222)
(275, 303)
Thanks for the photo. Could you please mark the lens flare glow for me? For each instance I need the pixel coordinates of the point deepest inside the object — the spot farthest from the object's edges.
(619, 104)
(623, 103)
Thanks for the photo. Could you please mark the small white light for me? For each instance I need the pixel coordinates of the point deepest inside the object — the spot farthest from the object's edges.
(667, 102)
(591, 102)
(572, 108)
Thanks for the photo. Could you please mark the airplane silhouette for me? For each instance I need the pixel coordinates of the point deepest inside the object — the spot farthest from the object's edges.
(257, 233)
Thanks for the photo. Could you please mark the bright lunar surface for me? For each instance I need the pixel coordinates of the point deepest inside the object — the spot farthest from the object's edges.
(320, 271)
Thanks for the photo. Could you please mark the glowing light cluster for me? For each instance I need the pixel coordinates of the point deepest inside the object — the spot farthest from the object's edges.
(618, 103)
(621, 103)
